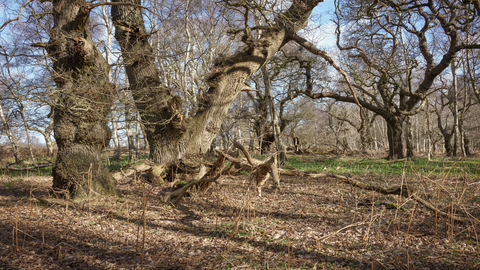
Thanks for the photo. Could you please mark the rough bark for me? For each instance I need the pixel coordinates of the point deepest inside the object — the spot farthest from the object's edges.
(83, 102)
(169, 133)
(394, 134)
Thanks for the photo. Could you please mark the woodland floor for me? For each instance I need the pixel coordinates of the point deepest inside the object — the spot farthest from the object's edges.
(307, 224)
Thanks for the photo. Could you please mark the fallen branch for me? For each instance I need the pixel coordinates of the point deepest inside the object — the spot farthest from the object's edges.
(27, 168)
(131, 171)
(404, 191)
(197, 179)
(260, 171)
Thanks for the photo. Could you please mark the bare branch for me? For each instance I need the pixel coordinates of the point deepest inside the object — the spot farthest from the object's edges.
(313, 49)
(18, 17)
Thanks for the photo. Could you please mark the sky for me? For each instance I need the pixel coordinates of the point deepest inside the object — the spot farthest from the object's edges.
(327, 30)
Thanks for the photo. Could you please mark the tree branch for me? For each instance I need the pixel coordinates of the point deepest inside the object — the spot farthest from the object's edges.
(313, 49)
(18, 17)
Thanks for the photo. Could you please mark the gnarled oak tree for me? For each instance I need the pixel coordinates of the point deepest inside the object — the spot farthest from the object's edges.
(169, 133)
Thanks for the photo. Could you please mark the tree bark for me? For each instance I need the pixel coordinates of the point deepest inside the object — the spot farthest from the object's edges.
(394, 134)
(282, 156)
(409, 137)
(456, 142)
(169, 133)
(83, 103)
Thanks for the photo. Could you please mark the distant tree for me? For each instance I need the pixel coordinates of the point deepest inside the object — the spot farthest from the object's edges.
(394, 54)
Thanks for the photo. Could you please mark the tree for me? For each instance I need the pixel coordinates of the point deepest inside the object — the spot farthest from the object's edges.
(8, 131)
(389, 42)
(83, 100)
(170, 134)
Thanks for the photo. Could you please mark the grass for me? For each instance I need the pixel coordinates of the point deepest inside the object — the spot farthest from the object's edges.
(378, 167)
(123, 161)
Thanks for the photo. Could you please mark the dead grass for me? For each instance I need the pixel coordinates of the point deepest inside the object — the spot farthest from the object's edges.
(307, 224)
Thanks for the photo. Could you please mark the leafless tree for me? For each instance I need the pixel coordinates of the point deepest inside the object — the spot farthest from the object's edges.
(393, 43)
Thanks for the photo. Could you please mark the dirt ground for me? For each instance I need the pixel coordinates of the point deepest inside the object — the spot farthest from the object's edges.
(306, 224)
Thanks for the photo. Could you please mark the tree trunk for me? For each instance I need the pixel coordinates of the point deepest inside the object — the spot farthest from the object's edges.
(10, 135)
(429, 134)
(116, 141)
(394, 134)
(169, 133)
(282, 157)
(47, 136)
(83, 102)
(466, 142)
(456, 142)
(447, 138)
(128, 126)
(27, 132)
(409, 137)
(138, 131)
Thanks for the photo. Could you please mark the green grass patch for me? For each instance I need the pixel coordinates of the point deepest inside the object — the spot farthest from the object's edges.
(123, 162)
(362, 166)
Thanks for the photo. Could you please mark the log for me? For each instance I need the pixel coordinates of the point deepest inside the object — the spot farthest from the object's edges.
(26, 168)
(197, 179)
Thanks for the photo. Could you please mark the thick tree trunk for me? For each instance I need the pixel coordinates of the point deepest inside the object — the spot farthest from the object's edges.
(466, 142)
(366, 139)
(394, 134)
(83, 103)
(447, 138)
(169, 133)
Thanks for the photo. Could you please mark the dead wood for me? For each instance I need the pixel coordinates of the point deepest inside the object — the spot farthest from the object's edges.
(404, 191)
(260, 171)
(131, 171)
(26, 168)
(245, 153)
(217, 167)
(263, 172)
(160, 173)
(237, 163)
(197, 179)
